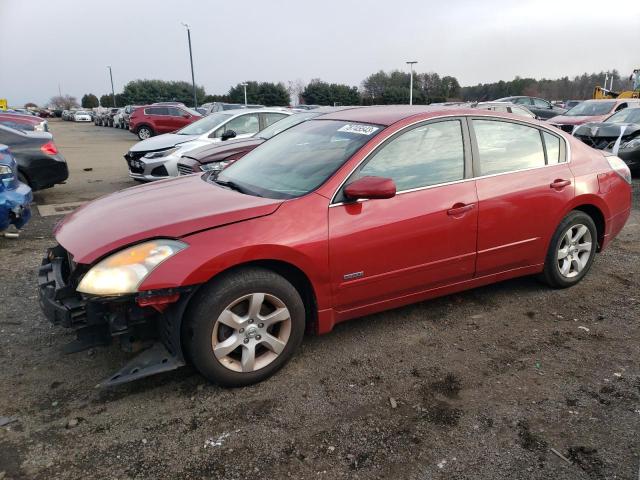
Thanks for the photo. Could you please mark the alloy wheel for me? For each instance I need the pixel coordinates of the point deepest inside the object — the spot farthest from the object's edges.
(574, 250)
(144, 133)
(251, 332)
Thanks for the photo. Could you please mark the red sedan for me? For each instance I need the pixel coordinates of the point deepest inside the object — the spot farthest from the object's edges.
(345, 215)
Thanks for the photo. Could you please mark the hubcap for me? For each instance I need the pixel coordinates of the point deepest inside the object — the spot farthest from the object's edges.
(251, 332)
(144, 133)
(574, 250)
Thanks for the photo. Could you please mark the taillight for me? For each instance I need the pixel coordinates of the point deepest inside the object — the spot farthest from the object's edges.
(621, 168)
(49, 148)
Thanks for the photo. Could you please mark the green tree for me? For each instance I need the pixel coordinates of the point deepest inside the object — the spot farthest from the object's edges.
(318, 92)
(89, 100)
(140, 92)
(263, 93)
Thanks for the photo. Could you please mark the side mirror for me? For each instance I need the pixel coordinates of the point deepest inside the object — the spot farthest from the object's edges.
(370, 188)
(227, 135)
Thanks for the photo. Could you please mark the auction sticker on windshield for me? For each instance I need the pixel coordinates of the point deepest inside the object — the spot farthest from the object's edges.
(357, 128)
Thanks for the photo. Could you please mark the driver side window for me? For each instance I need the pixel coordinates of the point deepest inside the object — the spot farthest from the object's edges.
(425, 155)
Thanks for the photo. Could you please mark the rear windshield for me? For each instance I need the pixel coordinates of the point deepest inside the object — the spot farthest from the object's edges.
(589, 108)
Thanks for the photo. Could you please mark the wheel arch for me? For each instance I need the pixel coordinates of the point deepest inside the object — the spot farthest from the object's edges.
(294, 275)
(598, 218)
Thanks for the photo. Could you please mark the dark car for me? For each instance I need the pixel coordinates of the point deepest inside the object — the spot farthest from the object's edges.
(618, 134)
(543, 109)
(40, 165)
(218, 156)
(155, 119)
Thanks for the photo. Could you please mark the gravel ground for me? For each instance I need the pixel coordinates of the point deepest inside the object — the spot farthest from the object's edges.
(478, 385)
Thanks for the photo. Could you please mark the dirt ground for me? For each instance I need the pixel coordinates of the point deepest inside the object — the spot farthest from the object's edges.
(485, 384)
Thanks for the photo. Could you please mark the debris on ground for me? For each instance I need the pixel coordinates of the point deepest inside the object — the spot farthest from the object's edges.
(393, 403)
(7, 420)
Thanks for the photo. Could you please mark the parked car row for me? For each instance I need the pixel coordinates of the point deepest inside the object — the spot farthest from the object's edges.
(78, 115)
(227, 269)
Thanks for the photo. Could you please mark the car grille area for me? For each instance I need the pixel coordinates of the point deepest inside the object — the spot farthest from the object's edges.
(184, 169)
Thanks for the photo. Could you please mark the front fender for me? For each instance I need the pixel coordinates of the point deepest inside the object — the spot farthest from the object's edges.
(298, 238)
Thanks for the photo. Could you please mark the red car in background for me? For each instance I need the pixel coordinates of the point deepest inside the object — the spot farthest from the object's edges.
(341, 216)
(590, 111)
(153, 120)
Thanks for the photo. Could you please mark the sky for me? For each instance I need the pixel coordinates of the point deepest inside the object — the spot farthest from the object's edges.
(50, 44)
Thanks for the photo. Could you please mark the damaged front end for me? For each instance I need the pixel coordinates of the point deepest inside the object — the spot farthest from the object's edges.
(622, 140)
(147, 322)
(15, 197)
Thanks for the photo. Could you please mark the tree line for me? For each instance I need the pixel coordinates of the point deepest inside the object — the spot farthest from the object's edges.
(379, 88)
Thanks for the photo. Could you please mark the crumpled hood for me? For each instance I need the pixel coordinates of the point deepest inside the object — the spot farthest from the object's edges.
(575, 120)
(607, 130)
(170, 208)
(161, 142)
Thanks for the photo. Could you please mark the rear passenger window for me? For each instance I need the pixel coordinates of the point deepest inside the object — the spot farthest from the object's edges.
(426, 155)
(552, 143)
(175, 112)
(507, 147)
(156, 111)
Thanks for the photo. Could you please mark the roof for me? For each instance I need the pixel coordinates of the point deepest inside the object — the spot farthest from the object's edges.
(383, 114)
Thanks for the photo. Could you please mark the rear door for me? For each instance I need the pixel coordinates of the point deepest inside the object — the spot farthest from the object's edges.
(524, 184)
(422, 238)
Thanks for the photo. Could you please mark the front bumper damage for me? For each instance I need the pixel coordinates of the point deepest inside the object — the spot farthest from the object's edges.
(136, 322)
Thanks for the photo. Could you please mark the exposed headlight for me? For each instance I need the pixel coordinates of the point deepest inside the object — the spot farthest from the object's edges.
(163, 153)
(214, 166)
(124, 271)
(5, 170)
(635, 143)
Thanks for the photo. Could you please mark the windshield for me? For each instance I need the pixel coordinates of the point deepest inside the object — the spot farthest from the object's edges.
(628, 115)
(285, 123)
(587, 109)
(298, 160)
(205, 125)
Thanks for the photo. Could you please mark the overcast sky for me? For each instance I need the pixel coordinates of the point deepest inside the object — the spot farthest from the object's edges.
(46, 43)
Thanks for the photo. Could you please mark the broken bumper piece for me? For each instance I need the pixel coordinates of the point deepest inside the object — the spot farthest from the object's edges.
(153, 332)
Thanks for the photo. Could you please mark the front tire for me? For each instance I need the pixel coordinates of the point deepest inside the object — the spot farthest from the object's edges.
(244, 326)
(571, 251)
(144, 133)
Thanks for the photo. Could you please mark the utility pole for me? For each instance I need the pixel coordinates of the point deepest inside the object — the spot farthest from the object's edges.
(113, 92)
(193, 78)
(411, 64)
(245, 92)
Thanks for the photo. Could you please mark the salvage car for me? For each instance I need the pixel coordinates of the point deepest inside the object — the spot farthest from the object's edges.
(542, 108)
(590, 111)
(15, 196)
(82, 116)
(24, 122)
(619, 134)
(217, 156)
(157, 158)
(156, 119)
(338, 217)
(40, 164)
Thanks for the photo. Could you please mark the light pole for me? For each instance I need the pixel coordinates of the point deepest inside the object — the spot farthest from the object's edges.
(411, 64)
(193, 78)
(113, 92)
(245, 93)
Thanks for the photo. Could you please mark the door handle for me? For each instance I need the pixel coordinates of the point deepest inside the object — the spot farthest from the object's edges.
(460, 209)
(560, 183)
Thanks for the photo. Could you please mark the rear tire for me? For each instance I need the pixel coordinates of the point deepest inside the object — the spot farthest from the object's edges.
(571, 251)
(23, 179)
(144, 132)
(244, 326)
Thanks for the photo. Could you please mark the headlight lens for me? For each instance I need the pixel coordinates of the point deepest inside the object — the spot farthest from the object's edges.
(635, 143)
(124, 271)
(4, 170)
(214, 166)
(163, 153)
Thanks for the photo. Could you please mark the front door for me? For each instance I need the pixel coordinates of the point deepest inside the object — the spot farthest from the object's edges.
(422, 238)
